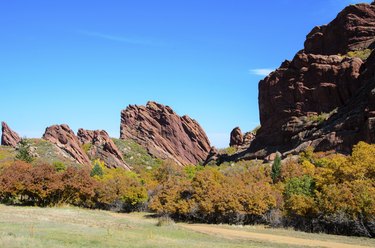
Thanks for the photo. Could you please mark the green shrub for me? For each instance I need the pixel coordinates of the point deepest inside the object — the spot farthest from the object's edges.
(86, 147)
(165, 221)
(59, 166)
(299, 186)
(97, 170)
(362, 54)
(322, 117)
(23, 151)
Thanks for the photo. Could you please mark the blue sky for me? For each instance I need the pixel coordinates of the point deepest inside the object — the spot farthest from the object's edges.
(81, 62)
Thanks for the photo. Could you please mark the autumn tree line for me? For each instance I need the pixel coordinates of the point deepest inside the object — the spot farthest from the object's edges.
(313, 192)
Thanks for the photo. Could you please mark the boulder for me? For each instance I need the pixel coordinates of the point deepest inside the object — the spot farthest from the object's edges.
(236, 137)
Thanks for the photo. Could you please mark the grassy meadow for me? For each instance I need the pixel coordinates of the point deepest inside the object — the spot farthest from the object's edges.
(75, 227)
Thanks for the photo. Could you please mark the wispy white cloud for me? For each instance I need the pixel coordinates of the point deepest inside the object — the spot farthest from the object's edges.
(129, 40)
(261, 71)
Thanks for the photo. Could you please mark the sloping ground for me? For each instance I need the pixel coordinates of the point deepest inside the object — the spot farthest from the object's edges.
(7, 154)
(74, 227)
(49, 153)
(136, 155)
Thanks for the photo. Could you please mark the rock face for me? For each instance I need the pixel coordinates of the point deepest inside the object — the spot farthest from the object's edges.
(248, 138)
(213, 156)
(308, 86)
(322, 98)
(102, 147)
(165, 134)
(64, 138)
(353, 29)
(236, 137)
(240, 140)
(9, 137)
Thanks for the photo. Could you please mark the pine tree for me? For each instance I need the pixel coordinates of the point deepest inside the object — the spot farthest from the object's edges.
(23, 151)
(276, 169)
(97, 170)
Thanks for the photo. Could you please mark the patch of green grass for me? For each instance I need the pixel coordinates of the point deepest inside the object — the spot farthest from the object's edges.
(362, 54)
(228, 150)
(6, 153)
(49, 153)
(298, 234)
(136, 156)
(74, 227)
(322, 117)
(86, 147)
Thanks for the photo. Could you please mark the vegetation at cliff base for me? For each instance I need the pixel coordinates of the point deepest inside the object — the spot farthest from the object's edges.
(318, 192)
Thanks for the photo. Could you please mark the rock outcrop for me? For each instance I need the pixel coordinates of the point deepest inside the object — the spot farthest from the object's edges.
(247, 139)
(324, 97)
(9, 137)
(240, 140)
(307, 87)
(65, 139)
(213, 156)
(100, 146)
(165, 134)
(236, 137)
(353, 29)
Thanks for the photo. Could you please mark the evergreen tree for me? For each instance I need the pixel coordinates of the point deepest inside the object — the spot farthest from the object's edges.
(97, 170)
(23, 151)
(276, 168)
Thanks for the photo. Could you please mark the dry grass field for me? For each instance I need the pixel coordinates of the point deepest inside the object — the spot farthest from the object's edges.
(75, 227)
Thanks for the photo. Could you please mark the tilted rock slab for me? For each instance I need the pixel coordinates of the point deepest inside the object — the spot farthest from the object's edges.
(102, 148)
(165, 134)
(9, 137)
(64, 138)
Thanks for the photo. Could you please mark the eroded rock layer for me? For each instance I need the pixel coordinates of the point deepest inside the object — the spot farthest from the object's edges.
(100, 146)
(324, 97)
(9, 137)
(65, 139)
(165, 134)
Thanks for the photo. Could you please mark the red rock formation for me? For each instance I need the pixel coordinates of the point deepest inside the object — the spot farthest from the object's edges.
(236, 137)
(353, 29)
(64, 138)
(165, 134)
(315, 84)
(102, 147)
(213, 157)
(309, 85)
(248, 138)
(320, 98)
(9, 137)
